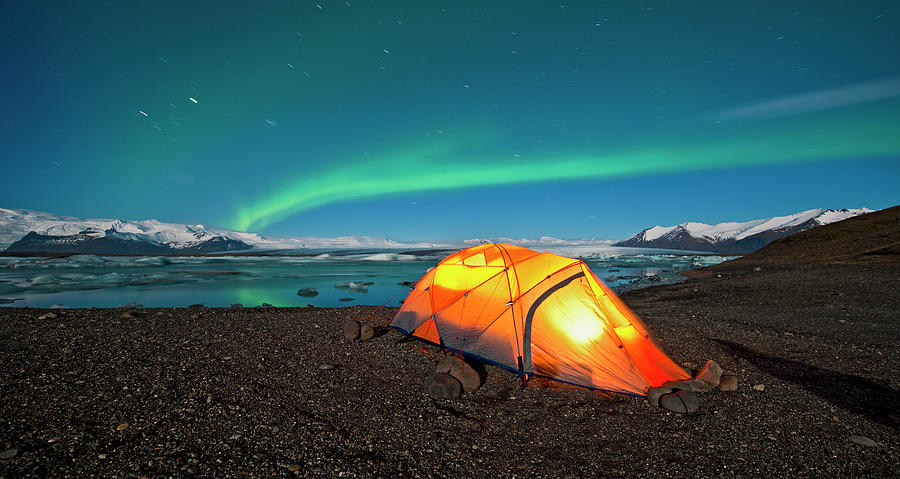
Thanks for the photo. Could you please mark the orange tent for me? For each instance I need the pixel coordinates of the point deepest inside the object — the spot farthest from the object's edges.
(535, 314)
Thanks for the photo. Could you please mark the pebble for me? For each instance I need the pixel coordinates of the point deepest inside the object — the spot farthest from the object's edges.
(710, 374)
(47, 316)
(9, 453)
(366, 332)
(863, 441)
(759, 387)
(122, 427)
(293, 467)
(326, 366)
(352, 329)
(728, 382)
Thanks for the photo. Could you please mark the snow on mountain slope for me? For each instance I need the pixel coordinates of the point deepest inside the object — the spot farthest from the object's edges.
(15, 224)
(537, 242)
(734, 237)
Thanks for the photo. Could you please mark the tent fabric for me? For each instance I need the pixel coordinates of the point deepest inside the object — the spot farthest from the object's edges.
(535, 314)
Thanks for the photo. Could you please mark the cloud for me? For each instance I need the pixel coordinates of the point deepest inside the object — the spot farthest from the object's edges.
(817, 100)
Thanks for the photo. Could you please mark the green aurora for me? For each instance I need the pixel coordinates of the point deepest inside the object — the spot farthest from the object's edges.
(405, 119)
(442, 165)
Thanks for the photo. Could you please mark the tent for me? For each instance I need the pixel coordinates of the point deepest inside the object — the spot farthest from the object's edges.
(535, 314)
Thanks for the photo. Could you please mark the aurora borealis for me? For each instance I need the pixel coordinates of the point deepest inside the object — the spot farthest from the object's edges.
(439, 120)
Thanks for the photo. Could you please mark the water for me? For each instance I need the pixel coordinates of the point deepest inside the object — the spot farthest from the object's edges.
(95, 281)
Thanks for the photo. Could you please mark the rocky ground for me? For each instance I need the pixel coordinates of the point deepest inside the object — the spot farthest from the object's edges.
(279, 392)
(810, 324)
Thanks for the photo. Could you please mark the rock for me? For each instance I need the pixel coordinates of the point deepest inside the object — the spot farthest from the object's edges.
(684, 402)
(759, 387)
(123, 426)
(326, 366)
(293, 467)
(127, 315)
(710, 374)
(443, 386)
(366, 332)
(352, 329)
(654, 394)
(728, 382)
(194, 316)
(9, 453)
(47, 316)
(102, 456)
(862, 441)
(693, 385)
(307, 292)
(266, 305)
(468, 372)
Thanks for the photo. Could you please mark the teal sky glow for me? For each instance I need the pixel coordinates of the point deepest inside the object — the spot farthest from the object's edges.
(443, 120)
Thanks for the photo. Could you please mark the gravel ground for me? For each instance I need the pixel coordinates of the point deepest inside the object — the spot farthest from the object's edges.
(279, 392)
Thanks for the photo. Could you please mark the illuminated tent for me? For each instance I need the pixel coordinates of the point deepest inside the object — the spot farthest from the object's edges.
(535, 314)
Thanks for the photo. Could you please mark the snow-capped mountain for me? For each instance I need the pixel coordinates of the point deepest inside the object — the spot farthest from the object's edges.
(538, 242)
(735, 238)
(56, 233)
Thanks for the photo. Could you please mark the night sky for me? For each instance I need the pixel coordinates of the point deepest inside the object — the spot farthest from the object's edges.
(433, 120)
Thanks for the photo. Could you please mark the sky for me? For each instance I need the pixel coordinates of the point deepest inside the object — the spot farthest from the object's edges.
(445, 120)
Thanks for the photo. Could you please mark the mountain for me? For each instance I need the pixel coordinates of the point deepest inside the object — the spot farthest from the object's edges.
(735, 238)
(543, 241)
(111, 242)
(866, 239)
(58, 233)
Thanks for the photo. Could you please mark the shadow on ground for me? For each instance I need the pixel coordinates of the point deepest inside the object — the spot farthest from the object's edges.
(853, 393)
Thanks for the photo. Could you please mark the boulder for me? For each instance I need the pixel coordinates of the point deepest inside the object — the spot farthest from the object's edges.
(352, 329)
(728, 382)
(366, 332)
(654, 394)
(307, 292)
(684, 402)
(443, 386)
(468, 372)
(710, 374)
